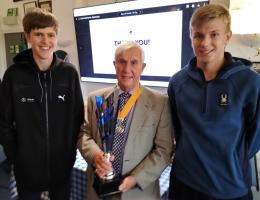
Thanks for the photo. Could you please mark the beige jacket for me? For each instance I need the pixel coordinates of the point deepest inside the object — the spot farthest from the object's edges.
(148, 148)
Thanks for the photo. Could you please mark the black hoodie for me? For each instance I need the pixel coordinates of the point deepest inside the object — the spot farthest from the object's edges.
(40, 117)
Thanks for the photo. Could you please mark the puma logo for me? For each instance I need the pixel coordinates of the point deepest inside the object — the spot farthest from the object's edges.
(62, 97)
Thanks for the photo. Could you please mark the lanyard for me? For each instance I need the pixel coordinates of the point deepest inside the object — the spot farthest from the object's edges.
(129, 104)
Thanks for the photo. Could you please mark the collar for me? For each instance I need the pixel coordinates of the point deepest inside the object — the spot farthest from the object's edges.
(120, 91)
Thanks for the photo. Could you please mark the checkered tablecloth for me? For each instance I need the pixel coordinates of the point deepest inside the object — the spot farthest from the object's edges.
(164, 181)
(80, 163)
(79, 180)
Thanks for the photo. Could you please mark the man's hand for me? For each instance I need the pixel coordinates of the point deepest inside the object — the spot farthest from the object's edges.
(102, 164)
(128, 183)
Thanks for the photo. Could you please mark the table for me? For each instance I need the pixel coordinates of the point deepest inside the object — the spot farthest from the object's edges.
(79, 181)
(164, 182)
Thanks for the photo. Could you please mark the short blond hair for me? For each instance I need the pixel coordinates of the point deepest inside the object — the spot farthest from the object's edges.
(208, 13)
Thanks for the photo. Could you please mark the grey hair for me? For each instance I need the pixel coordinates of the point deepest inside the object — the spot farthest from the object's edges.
(128, 45)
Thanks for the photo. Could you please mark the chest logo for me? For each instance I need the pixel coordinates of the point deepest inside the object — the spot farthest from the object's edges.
(223, 99)
(27, 100)
(62, 97)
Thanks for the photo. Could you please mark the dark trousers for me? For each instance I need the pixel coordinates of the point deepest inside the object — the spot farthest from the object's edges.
(61, 192)
(180, 191)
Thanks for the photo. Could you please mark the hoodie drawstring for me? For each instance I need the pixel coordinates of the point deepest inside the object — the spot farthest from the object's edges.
(50, 86)
(40, 85)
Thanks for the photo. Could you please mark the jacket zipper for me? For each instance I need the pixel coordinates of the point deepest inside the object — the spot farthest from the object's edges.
(204, 104)
(47, 127)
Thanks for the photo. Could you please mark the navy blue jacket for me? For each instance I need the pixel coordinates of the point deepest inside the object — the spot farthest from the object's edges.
(40, 117)
(217, 127)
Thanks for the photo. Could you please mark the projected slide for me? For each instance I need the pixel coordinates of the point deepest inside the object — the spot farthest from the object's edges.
(160, 32)
(161, 27)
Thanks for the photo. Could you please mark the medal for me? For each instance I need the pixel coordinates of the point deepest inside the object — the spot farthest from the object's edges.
(119, 126)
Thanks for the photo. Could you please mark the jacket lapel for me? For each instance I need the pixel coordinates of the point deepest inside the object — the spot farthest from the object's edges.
(109, 92)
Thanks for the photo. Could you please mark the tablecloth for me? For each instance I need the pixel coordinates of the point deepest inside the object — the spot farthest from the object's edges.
(79, 181)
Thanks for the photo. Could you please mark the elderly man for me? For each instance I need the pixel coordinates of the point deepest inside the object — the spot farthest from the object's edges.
(146, 134)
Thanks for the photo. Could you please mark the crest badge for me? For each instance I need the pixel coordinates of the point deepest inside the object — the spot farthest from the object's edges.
(223, 99)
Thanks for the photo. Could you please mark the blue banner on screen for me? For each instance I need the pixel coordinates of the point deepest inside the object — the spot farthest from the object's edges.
(160, 27)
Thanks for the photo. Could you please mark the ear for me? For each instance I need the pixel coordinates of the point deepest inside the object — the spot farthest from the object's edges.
(114, 62)
(228, 36)
(27, 37)
(143, 66)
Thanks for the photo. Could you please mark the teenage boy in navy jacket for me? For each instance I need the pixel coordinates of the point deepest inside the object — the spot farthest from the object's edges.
(215, 102)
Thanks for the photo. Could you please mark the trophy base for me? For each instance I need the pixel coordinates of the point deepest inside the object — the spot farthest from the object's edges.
(106, 187)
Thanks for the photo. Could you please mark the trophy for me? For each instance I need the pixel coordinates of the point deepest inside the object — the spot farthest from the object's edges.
(104, 111)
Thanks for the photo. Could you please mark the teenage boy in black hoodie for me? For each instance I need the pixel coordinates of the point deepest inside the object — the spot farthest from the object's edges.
(41, 110)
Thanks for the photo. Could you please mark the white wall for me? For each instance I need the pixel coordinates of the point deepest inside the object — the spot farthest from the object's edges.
(63, 9)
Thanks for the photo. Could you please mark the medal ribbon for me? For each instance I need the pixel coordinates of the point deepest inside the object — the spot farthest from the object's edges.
(129, 104)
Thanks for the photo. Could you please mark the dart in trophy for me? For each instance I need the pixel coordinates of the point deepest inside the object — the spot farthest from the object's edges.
(109, 184)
